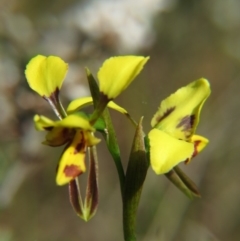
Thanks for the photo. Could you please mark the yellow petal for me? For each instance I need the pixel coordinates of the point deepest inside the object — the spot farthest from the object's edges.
(117, 73)
(79, 103)
(75, 121)
(166, 151)
(200, 143)
(90, 139)
(45, 75)
(72, 162)
(43, 123)
(178, 115)
(116, 107)
(71, 121)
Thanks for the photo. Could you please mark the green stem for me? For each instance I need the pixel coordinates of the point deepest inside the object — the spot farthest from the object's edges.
(113, 148)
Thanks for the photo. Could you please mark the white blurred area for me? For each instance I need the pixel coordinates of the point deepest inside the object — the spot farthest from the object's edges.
(79, 31)
(124, 25)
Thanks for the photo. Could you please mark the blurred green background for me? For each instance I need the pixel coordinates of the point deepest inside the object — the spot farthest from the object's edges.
(185, 40)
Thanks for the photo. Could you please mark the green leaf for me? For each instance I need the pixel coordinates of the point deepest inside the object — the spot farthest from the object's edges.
(135, 176)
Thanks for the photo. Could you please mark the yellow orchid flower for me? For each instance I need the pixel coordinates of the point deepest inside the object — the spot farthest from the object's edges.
(45, 75)
(117, 73)
(172, 139)
(77, 132)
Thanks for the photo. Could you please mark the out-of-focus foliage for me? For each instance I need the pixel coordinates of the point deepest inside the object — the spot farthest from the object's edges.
(186, 40)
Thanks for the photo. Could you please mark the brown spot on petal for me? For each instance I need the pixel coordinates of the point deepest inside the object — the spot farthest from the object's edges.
(79, 148)
(167, 113)
(187, 124)
(195, 152)
(196, 144)
(72, 171)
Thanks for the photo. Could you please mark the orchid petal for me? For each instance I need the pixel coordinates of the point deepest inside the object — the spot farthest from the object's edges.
(178, 115)
(200, 143)
(72, 162)
(117, 73)
(79, 103)
(42, 123)
(45, 75)
(167, 151)
(71, 121)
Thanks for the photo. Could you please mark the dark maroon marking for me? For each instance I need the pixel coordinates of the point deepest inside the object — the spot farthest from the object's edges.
(54, 101)
(167, 113)
(196, 144)
(186, 122)
(67, 133)
(195, 152)
(57, 91)
(79, 148)
(49, 128)
(53, 96)
(72, 171)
